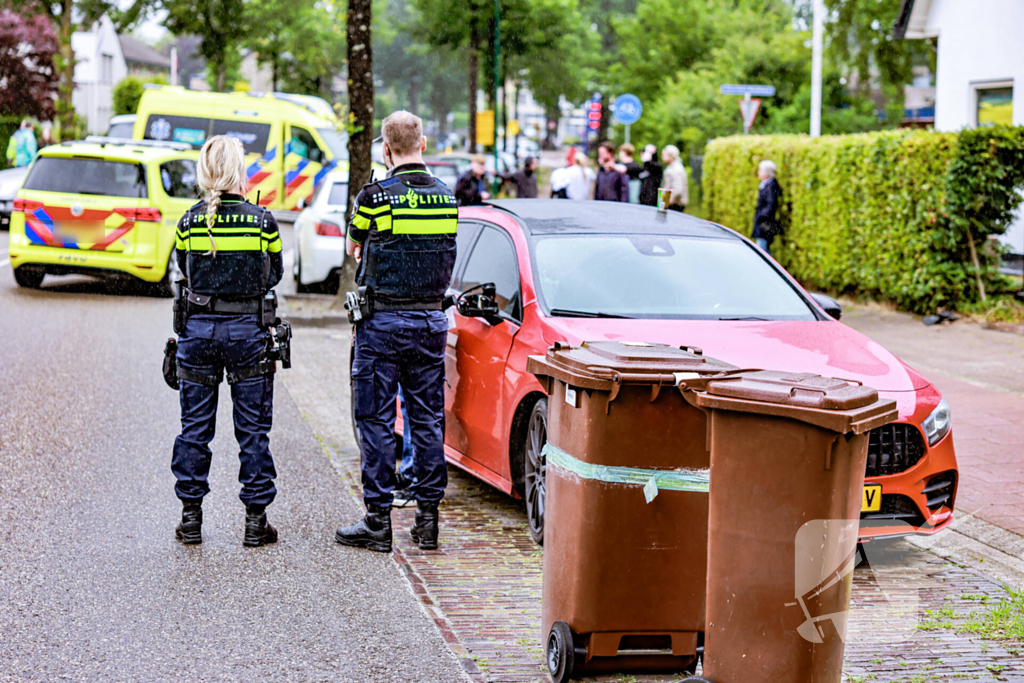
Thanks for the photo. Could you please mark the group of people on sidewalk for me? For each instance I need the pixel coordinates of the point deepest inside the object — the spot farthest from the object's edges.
(623, 179)
(22, 147)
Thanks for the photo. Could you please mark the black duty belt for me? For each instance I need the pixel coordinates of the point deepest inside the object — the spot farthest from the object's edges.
(382, 306)
(224, 306)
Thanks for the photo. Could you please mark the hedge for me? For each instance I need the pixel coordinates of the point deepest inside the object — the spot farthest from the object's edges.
(891, 215)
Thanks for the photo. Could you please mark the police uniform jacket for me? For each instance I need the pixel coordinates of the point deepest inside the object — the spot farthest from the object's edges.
(407, 224)
(248, 260)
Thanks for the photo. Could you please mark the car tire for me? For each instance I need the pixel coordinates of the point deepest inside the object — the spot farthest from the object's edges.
(299, 287)
(30, 277)
(535, 468)
(168, 285)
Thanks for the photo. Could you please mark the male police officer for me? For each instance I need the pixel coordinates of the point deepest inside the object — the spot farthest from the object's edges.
(403, 230)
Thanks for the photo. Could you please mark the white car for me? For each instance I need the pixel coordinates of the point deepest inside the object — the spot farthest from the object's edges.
(320, 236)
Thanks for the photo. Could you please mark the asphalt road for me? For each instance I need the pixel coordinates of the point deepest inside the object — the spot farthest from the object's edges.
(93, 586)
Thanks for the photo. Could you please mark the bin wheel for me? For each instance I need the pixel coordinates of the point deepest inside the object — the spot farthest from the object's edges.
(561, 656)
(697, 679)
(535, 469)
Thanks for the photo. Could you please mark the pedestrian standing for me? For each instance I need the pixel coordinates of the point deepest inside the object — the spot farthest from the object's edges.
(22, 148)
(46, 139)
(651, 177)
(612, 185)
(632, 169)
(230, 251)
(471, 189)
(402, 233)
(579, 178)
(675, 179)
(766, 221)
(525, 180)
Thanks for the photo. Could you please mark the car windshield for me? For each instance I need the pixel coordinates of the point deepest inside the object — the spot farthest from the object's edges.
(660, 276)
(337, 141)
(81, 175)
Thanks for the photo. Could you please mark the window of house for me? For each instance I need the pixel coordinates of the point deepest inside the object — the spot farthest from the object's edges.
(107, 69)
(995, 105)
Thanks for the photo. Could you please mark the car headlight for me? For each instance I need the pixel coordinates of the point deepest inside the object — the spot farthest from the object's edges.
(9, 189)
(937, 424)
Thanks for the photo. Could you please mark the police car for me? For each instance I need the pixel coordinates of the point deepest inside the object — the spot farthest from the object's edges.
(103, 206)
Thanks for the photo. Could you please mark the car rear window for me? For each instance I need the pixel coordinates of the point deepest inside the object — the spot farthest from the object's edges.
(339, 195)
(81, 175)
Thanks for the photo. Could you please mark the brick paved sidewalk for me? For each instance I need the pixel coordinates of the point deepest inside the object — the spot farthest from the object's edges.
(483, 587)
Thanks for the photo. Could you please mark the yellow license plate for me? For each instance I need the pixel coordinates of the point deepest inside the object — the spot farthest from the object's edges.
(871, 501)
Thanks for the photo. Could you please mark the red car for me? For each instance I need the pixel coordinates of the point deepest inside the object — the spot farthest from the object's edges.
(582, 271)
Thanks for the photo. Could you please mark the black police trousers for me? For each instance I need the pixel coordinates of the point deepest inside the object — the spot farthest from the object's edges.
(406, 347)
(210, 345)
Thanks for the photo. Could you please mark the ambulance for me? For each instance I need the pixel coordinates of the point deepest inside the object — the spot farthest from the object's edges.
(291, 141)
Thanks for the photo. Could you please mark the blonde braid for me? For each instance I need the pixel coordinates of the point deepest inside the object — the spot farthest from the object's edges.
(212, 207)
(221, 169)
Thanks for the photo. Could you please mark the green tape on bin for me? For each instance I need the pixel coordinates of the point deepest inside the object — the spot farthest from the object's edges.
(667, 480)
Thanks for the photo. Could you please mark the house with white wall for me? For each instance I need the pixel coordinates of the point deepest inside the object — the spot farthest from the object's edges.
(99, 66)
(979, 76)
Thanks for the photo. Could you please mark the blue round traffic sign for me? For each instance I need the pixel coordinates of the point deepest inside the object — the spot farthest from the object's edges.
(627, 109)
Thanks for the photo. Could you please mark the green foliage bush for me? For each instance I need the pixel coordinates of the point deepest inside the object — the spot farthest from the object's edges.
(890, 214)
(127, 94)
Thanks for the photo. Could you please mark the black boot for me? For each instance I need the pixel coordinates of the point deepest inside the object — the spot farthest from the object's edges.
(190, 530)
(424, 532)
(257, 529)
(372, 532)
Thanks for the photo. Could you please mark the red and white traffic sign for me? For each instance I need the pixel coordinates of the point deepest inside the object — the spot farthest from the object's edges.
(749, 109)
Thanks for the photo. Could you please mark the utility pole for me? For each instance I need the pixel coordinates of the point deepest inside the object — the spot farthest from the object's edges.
(497, 57)
(816, 66)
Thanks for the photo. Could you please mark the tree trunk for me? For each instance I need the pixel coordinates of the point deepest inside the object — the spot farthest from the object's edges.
(66, 110)
(274, 72)
(474, 75)
(222, 73)
(551, 115)
(414, 86)
(360, 97)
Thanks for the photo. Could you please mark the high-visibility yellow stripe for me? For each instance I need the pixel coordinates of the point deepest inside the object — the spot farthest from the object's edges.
(371, 212)
(179, 243)
(226, 243)
(419, 211)
(274, 247)
(226, 231)
(360, 222)
(438, 227)
(383, 223)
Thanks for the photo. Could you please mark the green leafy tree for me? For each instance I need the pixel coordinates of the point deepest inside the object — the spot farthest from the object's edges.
(221, 24)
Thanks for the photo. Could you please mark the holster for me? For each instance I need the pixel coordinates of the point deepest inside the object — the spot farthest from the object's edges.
(171, 363)
(180, 308)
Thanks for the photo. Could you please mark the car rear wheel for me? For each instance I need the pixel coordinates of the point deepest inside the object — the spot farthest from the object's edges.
(29, 276)
(168, 285)
(535, 468)
(299, 287)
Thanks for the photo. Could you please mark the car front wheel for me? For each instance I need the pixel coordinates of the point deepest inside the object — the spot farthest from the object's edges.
(535, 468)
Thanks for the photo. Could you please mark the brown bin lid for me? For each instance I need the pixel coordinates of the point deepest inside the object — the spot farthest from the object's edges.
(600, 364)
(837, 404)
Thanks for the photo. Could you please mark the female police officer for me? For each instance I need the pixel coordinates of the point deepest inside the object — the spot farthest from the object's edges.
(230, 253)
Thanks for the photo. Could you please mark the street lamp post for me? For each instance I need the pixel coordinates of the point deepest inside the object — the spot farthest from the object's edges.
(497, 56)
(816, 66)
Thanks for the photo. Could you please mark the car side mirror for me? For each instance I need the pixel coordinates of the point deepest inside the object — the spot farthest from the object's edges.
(301, 204)
(480, 304)
(830, 305)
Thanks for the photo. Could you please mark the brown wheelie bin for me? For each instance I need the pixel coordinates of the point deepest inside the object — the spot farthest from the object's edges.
(625, 524)
(787, 469)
